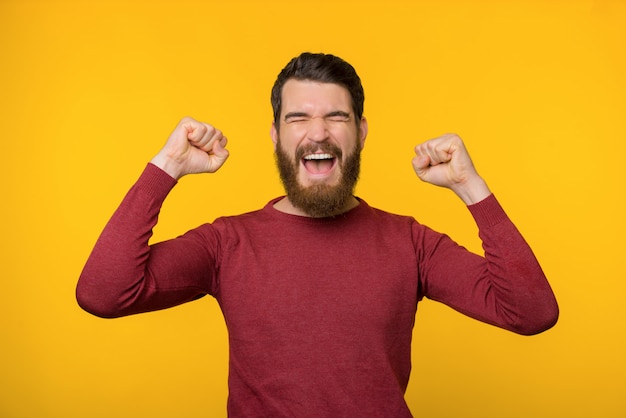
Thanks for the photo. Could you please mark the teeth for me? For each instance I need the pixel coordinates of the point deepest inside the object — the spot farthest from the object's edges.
(318, 157)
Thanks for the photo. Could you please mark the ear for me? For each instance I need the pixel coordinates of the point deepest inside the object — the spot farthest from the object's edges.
(362, 131)
(274, 134)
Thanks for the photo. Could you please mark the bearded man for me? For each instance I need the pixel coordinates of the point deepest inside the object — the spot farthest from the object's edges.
(319, 290)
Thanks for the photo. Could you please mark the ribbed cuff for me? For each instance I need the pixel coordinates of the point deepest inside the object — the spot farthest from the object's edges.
(487, 212)
(155, 182)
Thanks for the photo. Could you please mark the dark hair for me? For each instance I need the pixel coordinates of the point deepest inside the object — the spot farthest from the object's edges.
(325, 68)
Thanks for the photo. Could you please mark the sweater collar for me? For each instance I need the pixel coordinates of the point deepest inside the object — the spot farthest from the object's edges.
(270, 210)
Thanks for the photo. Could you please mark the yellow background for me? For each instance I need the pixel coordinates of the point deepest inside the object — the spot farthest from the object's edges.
(90, 91)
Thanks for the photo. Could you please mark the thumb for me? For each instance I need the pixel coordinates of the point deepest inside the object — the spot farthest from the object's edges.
(421, 164)
(219, 154)
(219, 149)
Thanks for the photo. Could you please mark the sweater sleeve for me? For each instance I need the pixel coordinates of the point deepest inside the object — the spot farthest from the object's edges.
(506, 287)
(125, 275)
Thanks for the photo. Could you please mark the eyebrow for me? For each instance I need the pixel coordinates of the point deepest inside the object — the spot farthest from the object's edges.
(338, 113)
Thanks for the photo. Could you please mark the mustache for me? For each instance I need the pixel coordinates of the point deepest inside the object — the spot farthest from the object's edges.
(323, 147)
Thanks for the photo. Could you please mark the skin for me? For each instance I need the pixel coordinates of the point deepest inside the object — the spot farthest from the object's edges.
(312, 113)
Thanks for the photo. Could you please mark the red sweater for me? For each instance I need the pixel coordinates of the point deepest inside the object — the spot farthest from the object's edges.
(319, 311)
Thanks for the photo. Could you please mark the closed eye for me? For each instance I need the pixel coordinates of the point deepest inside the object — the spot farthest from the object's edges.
(338, 116)
(296, 117)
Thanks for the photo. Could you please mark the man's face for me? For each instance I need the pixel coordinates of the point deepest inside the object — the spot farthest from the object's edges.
(318, 146)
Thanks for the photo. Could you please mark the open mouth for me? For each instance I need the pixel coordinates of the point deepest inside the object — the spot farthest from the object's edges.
(319, 163)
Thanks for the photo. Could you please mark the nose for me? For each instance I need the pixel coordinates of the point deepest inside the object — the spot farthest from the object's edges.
(317, 130)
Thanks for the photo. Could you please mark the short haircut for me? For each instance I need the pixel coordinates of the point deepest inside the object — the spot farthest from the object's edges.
(324, 68)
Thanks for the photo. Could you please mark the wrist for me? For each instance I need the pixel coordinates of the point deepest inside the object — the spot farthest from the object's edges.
(171, 167)
(472, 191)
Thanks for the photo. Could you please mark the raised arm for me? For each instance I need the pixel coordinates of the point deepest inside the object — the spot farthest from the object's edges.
(124, 274)
(505, 287)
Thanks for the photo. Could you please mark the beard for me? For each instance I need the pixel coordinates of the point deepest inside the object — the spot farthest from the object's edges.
(319, 200)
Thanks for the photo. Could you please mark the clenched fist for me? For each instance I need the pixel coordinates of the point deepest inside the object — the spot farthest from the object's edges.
(445, 162)
(193, 147)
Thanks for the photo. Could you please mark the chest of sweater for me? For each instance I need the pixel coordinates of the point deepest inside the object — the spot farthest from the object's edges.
(303, 281)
